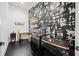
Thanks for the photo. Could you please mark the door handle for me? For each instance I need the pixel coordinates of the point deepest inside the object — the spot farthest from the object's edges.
(77, 48)
(2, 43)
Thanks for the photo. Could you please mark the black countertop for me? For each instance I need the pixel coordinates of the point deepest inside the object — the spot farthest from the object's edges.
(58, 43)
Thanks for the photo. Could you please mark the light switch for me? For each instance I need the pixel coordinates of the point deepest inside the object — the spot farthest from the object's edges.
(0, 22)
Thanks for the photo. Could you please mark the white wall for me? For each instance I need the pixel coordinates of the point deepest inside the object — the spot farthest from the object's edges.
(4, 34)
(17, 14)
(77, 28)
(8, 15)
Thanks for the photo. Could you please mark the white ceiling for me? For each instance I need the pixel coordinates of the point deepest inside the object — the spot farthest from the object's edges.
(25, 5)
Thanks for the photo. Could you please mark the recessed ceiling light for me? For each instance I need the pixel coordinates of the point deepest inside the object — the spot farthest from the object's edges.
(22, 2)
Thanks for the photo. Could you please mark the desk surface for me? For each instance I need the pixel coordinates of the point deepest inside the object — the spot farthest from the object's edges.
(60, 44)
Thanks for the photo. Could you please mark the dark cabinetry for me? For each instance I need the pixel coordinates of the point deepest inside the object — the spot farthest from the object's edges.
(34, 47)
(40, 48)
(49, 50)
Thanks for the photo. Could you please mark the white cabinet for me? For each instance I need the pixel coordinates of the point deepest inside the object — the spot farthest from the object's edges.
(0, 36)
(3, 26)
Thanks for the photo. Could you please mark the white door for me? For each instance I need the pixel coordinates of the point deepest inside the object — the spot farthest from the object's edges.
(3, 27)
(0, 35)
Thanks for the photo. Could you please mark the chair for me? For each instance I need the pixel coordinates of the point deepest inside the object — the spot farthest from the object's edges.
(17, 37)
(26, 36)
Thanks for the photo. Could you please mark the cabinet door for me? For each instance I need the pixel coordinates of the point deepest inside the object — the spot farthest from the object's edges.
(0, 33)
(3, 27)
(0, 30)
